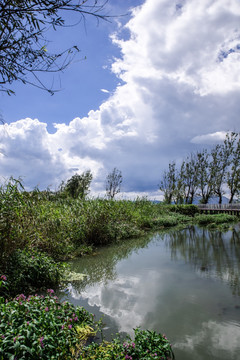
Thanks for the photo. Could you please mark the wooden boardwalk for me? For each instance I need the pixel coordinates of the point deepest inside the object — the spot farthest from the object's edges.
(233, 209)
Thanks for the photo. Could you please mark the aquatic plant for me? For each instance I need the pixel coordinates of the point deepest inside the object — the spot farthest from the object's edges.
(206, 219)
(36, 327)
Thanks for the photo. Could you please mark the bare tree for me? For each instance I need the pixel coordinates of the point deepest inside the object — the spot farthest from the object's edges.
(113, 183)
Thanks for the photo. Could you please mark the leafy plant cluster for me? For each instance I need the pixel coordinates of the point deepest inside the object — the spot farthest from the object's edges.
(29, 271)
(205, 174)
(34, 327)
(147, 345)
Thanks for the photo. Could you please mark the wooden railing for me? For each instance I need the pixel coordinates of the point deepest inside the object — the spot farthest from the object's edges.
(219, 206)
(233, 209)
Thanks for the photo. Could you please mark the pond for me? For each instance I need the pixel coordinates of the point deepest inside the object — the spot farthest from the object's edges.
(183, 283)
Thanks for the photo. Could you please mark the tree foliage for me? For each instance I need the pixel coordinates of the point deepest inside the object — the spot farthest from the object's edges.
(23, 37)
(113, 183)
(78, 185)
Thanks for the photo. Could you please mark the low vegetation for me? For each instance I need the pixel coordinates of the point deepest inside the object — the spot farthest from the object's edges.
(41, 327)
(215, 219)
(147, 345)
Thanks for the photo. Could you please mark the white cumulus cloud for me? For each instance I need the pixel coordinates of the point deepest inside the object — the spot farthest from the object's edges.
(180, 80)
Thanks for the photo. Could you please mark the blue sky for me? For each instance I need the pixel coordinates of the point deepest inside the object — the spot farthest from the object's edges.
(156, 84)
(80, 84)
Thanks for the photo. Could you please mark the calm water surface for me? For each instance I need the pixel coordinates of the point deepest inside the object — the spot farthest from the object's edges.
(184, 283)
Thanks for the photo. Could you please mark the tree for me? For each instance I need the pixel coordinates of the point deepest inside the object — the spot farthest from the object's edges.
(221, 159)
(113, 183)
(206, 176)
(189, 178)
(168, 183)
(233, 173)
(78, 185)
(23, 41)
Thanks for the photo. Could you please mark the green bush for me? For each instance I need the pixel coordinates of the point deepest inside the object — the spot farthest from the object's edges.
(147, 345)
(188, 209)
(28, 271)
(41, 327)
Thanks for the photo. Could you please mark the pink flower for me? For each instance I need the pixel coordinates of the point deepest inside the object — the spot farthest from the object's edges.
(22, 296)
(41, 341)
(46, 309)
(69, 326)
(3, 277)
(50, 291)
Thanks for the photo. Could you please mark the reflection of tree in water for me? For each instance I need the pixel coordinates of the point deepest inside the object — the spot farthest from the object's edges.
(101, 267)
(212, 252)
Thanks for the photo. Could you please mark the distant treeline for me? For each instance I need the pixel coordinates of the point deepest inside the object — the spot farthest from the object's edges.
(205, 174)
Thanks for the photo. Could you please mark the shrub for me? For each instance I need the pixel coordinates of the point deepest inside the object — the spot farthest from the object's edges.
(28, 271)
(148, 345)
(37, 327)
(188, 209)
